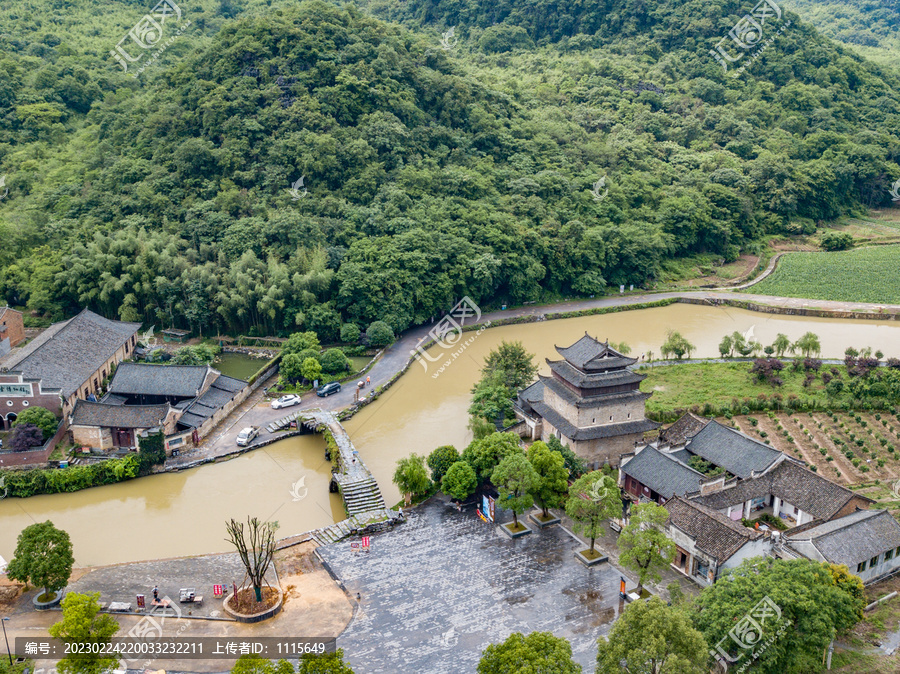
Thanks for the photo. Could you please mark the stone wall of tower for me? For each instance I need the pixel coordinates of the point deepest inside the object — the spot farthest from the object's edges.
(598, 452)
(616, 412)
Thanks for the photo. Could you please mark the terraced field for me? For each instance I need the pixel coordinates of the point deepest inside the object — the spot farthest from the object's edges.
(862, 275)
(860, 450)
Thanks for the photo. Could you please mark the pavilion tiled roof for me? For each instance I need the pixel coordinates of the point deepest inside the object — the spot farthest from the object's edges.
(220, 392)
(737, 453)
(791, 482)
(118, 416)
(573, 398)
(581, 379)
(851, 539)
(687, 426)
(662, 473)
(713, 533)
(66, 354)
(178, 381)
(592, 355)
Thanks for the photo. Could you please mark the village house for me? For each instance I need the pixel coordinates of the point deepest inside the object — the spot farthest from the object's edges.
(73, 356)
(110, 427)
(592, 401)
(866, 541)
(185, 401)
(12, 329)
(18, 393)
(707, 542)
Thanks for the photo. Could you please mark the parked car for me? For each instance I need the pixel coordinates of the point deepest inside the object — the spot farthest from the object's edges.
(328, 389)
(286, 401)
(245, 437)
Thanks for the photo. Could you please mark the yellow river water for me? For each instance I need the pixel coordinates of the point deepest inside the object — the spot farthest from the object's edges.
(184, 513)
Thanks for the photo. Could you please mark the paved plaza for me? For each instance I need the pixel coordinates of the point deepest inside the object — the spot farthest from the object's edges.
(434, 592)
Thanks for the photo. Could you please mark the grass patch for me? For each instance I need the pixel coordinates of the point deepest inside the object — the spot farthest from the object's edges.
(860, 275)
(515, 528)
(686, 385)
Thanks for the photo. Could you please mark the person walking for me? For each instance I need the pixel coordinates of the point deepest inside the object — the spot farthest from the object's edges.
(368, 381)
(155, 593)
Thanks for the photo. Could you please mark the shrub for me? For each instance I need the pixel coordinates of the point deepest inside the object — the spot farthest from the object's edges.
(334, 361)
(25, 437)
(40, 417)
(836, 241)
(753, 421)
(350, 333)
(379, 334)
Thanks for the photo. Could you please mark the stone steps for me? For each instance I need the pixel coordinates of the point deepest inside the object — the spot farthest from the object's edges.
(345, 528)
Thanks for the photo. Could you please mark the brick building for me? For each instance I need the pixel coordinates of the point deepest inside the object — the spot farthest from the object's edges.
(18, 393)
(74, 356)
(12, 329)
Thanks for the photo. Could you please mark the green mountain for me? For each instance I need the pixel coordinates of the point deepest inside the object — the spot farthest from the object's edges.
(870, 27)
(541, 149)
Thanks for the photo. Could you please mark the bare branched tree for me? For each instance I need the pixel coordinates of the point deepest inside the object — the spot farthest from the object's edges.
(256, 547)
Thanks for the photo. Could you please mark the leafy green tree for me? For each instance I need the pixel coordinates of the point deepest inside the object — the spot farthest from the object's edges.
(484, 455)
(515, 479)
(481, 427)
(837, 240)
(83, 623)
(740, 344)
(652, 638)
(803, 608)
(43, 557)
(311, 369)
(440, 460)
(781, 344)
(593, 498)
(538, 652)
(327, 663)
(334, 361)
(411, 477)
(187, 355)
(492, 400)
(850, 584)
(350, 333)
(511, 365)
(726, 346)
(291, 368)
(574, 463)
(553, 485)
(459, 481)
(40, 417)
(643, 545)
(379, 334)
(808, 345)
(676, 345)
(621, 347)
(257, 664)
(301, 341)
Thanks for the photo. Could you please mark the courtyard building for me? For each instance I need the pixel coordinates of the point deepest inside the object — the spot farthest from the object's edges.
(73, 356)
(592, 402)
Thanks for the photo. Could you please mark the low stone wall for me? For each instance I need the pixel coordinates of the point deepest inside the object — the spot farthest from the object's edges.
(237, 451)
(882, 315)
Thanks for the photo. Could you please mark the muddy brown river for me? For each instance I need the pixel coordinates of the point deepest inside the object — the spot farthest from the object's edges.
(184, 513)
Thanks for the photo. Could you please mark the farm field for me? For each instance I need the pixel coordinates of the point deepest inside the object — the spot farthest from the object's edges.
(860, 450)
(860, 275)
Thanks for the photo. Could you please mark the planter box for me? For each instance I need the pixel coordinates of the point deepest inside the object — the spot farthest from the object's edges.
(536, 518)
(46, 605)
(514, 534)
(590, 562)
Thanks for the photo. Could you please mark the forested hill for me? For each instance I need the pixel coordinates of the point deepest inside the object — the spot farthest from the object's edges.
(430, 170)
(869, 27)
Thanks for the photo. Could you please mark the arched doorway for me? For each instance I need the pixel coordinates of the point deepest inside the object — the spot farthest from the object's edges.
(10, 418)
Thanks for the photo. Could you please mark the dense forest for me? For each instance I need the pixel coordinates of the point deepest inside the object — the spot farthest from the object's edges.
(432, 167)
(870, 27)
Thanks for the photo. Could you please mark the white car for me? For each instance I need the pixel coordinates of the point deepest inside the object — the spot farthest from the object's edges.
(245, 437)
(286, 401)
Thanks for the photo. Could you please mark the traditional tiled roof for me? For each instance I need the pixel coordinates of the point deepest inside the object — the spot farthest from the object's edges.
(533, 393)
(851, 539)
(811, 493)
(177, 381)
(573, 398)
(589, 380)
(118, 416)
(593, 355)
(592, 432)
(713, 533)
(662, 473)
(220, 392)
(687, 426)
(66, 354)
(737, 453)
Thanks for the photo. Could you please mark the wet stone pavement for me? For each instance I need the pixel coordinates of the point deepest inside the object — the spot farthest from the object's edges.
(437, 590)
